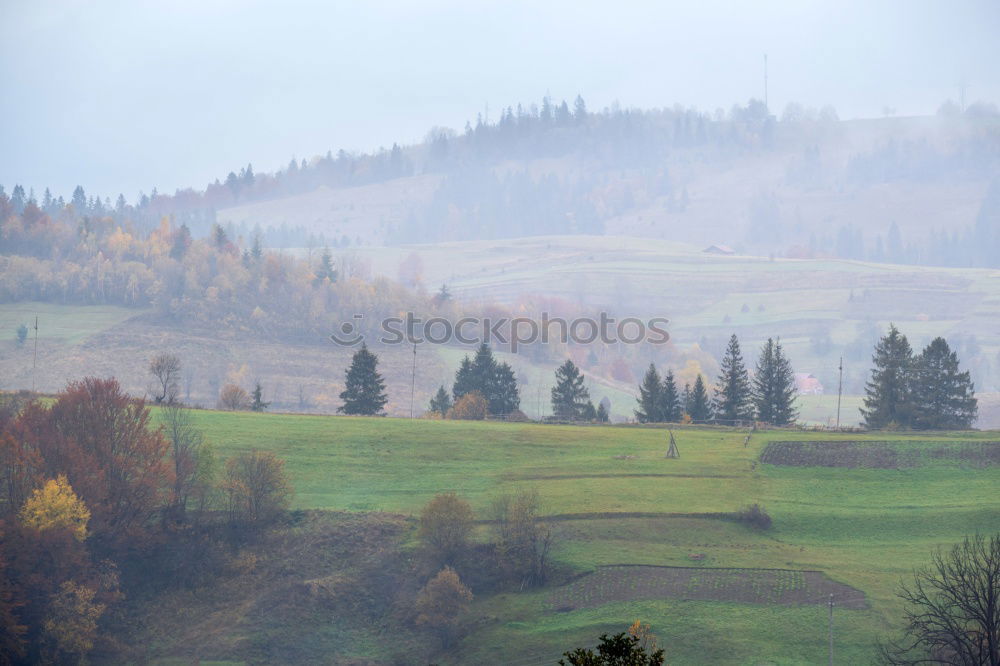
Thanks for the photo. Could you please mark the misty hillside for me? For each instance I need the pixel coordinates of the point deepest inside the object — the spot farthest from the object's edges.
(902, 190)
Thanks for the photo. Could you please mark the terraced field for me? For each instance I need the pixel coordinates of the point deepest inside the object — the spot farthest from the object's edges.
(638, 535)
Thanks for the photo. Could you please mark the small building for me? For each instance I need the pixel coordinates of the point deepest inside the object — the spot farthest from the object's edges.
(808, 384)
(719, 249)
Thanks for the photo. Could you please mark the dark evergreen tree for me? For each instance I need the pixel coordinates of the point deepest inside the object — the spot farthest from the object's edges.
(325, 270)
(507, 398)
(464, 382)
(484, 376)
(441, 402)
(732, 400)
(365, 389)
(569, 395)
(888, 399)
(943, 396)
(699, 407)
(602, 413)
(589, 413)
(670, 400)
(649, 398)
(258, 404)
(686, 399)
(774, 386)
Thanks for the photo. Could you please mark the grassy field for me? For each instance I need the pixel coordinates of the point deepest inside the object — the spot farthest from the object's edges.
(864, 528)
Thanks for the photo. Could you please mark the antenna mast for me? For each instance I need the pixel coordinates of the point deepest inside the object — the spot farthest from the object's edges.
(840, 388)
(34, 361)
(765, 83)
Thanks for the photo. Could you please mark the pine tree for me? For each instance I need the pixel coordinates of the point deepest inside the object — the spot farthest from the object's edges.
(602, 413)
(774, 386)
(888, 400)
(507, 398)
(258, 404)
(464, 382)
(699, 407)
(649, 397)
(365, 390)
(732, 395)
(670, 401)
(441, 402)
(569, 395)
(943, 396)
(484, 376)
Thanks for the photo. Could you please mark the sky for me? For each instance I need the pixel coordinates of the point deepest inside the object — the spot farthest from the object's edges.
(127, 96)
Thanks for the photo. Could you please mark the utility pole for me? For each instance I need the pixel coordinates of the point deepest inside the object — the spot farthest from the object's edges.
(413, 378)
(830, 662)
(34, 361)
(840, 388)
(765, 83)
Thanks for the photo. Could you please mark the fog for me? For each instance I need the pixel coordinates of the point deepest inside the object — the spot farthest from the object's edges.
(123, 97)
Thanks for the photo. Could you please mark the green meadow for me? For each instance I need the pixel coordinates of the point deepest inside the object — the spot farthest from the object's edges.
(612, 498)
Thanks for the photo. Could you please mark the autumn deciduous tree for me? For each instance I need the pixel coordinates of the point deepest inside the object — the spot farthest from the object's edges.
(441, 604)
(12, 630)
(56, 506)
(185, 447)
(470, 407)
(445, 524)
(234, 398)
(69, 631)
(111, 454)
(257, 488)
(522, 541)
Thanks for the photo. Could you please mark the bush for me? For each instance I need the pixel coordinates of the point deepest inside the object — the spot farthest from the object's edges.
(754, 516)
(234, 398)
(441, 603)
(445, 524)
(257, 488)
(470, 407)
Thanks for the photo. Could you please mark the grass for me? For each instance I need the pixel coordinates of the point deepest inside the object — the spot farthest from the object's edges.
(68, 324)
(862, 527)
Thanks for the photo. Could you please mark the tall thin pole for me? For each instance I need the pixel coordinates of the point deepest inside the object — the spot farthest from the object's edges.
(413, 378)
(840, 388)
(34, 361)
(765, 82)
(830, 661)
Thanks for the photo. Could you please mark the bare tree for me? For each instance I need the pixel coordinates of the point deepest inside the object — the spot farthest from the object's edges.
(522, 541)
(185, 447)
(234, 398)
(952, 609)
(257, 488)
(166, 368)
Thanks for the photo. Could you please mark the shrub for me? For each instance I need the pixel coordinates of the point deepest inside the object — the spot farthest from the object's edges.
(257, 488)
(442, 602)
(445, 524)
(470, 407)
(754, 516)
(522, 541)
(234, 398)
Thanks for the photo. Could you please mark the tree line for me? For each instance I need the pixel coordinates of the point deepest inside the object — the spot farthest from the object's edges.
(769, 396)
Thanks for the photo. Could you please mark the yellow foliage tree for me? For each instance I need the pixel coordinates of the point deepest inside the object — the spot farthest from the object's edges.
(69, 630)
(442, 602)
(55, 505)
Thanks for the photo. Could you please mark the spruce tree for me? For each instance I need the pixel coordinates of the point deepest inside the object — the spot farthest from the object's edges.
(258, 404)
(774, 386)
(569, 395)
(484, 376)
(699, 407)
(888, 399)
(602, 413)
(441, 402)
(365, 390)
(943, 396)
(670, 401)
(732, 395)
(464, 382)
(507, 398)
(649, 397)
